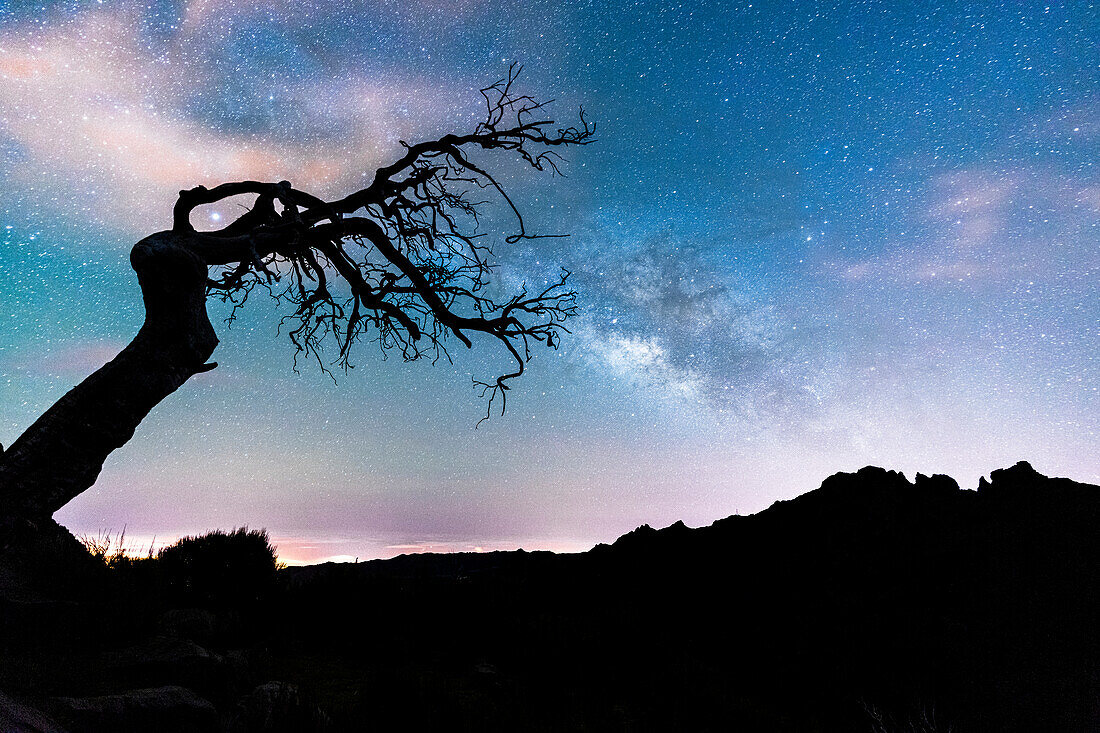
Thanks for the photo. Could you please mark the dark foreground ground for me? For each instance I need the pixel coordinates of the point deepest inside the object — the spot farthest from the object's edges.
(869, 604)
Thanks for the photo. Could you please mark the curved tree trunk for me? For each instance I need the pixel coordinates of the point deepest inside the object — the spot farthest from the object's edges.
(62, 453)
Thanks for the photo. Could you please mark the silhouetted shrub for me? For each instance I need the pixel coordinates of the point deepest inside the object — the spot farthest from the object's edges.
(219, 568)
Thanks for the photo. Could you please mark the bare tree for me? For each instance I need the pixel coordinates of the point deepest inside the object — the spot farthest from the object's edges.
(399, 262)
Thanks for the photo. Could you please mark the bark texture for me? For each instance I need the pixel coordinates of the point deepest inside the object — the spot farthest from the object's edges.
(62, 453)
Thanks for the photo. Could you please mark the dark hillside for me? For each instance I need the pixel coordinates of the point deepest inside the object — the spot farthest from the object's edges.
(870, 604)
(872, 593)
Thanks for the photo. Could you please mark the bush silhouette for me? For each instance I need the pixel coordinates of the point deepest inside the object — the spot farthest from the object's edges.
(219, 568)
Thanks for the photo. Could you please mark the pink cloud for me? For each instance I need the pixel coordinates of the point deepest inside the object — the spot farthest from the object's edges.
(104, 123)
(994, 226)
(199, 16)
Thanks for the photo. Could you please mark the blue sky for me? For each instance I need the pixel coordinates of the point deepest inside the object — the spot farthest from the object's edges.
(811, 236)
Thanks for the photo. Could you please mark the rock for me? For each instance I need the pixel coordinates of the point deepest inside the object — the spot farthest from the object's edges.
(161, 651)
(49, 586)
(40, 559)
(248, 666)
(165, 661)
(642, 535)
(16, 717)
(277, 707)
(194, 624)
(170, 709)
(937, 482)
(1021, 477)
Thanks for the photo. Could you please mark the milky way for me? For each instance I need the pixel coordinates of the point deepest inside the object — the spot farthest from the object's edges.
(810, 237)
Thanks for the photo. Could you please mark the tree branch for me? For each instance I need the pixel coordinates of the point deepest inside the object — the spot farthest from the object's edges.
(405, 255)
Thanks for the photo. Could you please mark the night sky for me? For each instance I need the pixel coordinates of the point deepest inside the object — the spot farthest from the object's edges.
(810, 237)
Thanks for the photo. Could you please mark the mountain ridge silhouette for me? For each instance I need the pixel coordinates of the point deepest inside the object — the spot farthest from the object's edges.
(871, 603)
(872, 595)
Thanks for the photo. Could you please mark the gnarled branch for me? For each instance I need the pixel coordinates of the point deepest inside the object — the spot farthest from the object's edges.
(401, 258)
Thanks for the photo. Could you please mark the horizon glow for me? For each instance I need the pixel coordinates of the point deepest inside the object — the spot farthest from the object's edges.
(811, 237)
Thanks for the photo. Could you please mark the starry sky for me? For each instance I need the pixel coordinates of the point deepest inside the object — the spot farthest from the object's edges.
(811, 236)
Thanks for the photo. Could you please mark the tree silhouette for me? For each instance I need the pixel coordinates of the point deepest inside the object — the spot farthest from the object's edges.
(399, 262)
